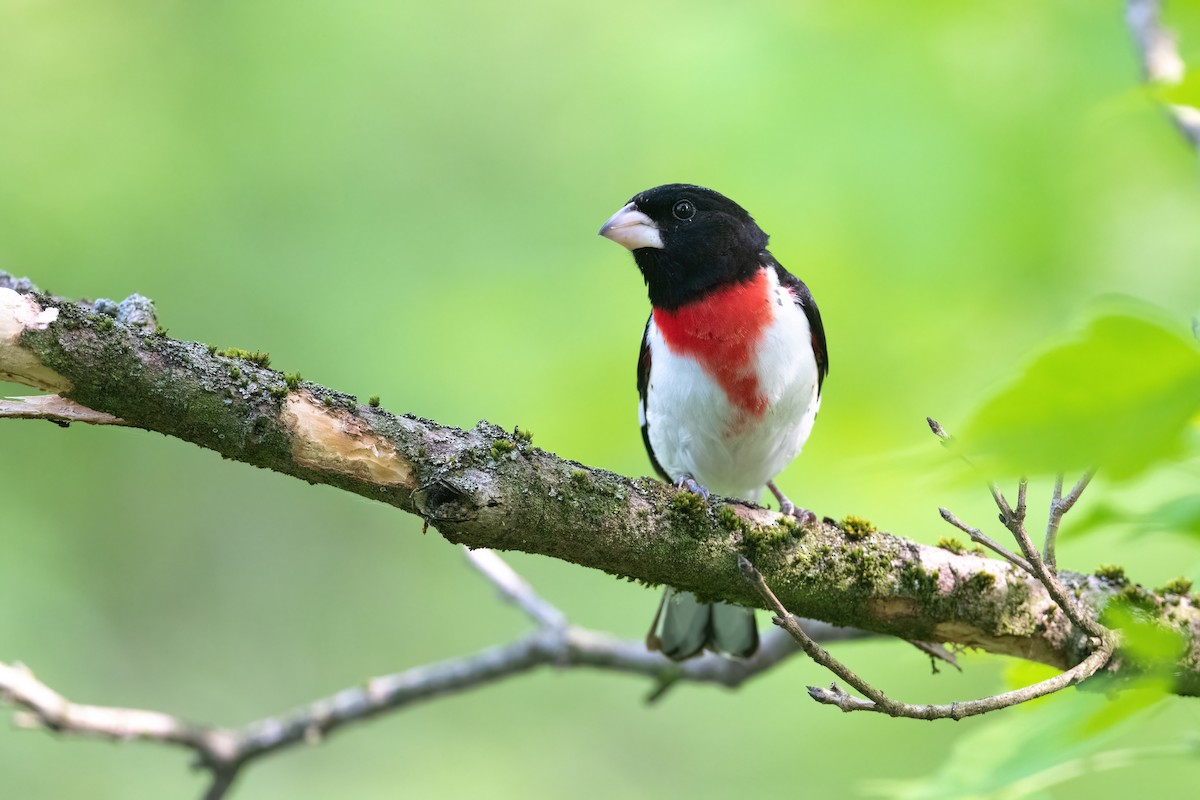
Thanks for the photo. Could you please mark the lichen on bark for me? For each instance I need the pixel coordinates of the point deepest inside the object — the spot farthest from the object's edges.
(486, 487)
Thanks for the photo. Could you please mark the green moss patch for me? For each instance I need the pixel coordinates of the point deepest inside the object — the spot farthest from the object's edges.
(1180, 586)
(952, 544)
(262, 359)
(689, 511)
(857, 527)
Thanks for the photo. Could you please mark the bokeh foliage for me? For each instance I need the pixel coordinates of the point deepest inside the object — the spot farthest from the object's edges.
(402, 199)
(1120, 398)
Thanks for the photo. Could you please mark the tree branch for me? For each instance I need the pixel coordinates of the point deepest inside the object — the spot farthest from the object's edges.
(487, 488)
(555, 643)
(979, 537)
(1059, 506)
(1103, 642)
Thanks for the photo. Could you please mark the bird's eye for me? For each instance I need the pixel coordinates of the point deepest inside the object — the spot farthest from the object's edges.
(684, 210)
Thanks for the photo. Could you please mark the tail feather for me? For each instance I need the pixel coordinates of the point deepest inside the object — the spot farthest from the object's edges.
(684, 626)
(734, 630)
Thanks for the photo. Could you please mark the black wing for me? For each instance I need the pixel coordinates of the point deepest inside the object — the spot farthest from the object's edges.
(805, 300)
(643, 384)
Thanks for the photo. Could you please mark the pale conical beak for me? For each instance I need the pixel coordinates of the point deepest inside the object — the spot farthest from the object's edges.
(632, 229)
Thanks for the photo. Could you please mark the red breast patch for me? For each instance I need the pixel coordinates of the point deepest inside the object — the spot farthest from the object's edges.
(722, 333)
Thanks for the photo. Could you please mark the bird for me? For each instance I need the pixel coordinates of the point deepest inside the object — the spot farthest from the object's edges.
(729, 376)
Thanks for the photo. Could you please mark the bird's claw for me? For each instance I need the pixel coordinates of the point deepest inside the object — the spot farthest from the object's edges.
(805, 517)
(688, 483)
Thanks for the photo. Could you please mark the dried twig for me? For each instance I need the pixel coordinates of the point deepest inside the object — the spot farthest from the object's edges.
(979, 537)
(1030, 559)
(1101, 642)
(225, 751)
(1047, 576)
(936, 653)
(836, 696)
(1060, 505)
(515, 589)
(880, 702)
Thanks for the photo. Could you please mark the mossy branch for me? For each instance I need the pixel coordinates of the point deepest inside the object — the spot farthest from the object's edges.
(486, 487)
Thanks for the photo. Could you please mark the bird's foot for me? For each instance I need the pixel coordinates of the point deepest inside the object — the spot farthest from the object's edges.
(690, 484)
(790, 509)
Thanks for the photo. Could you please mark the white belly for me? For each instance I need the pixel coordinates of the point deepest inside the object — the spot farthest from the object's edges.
(694, 429)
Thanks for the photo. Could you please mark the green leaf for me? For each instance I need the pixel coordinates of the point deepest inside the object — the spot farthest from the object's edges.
(1179, 515)
(1021, 673)
(1155, 648)
(1144, 694)
(1119, 398)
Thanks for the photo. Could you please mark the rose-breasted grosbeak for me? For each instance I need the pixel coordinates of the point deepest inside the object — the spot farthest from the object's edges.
(729, 376)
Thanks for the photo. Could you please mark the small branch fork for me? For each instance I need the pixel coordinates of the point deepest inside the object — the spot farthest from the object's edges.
(878, 701)
(1042, 567)
(223, 752)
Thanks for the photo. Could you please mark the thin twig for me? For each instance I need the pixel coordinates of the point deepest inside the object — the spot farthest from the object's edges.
(1030, 559)
(1048, 577)
(880, 702)
(786, 620)
(1006, 511)
(836, 696)
(993, 487)
(1048, 552)
(1059, 506)
(979, 537)
(47, 708)
(936, 653)
(1073, 496)
(1007, 514)
(224, 752)
(514, 588)
(219, 748)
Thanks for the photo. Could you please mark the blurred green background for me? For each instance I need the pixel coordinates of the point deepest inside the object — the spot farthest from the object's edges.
(402, 200)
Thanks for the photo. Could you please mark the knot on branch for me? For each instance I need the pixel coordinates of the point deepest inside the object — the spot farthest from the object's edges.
(136, 311)
(442, 501)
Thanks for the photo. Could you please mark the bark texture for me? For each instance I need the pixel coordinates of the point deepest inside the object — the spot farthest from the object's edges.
(486, 487)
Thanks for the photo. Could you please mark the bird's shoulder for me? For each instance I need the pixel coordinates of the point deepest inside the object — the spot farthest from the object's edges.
(804, 300)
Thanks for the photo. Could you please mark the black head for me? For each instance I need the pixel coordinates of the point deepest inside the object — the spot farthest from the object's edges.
(687, 240)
